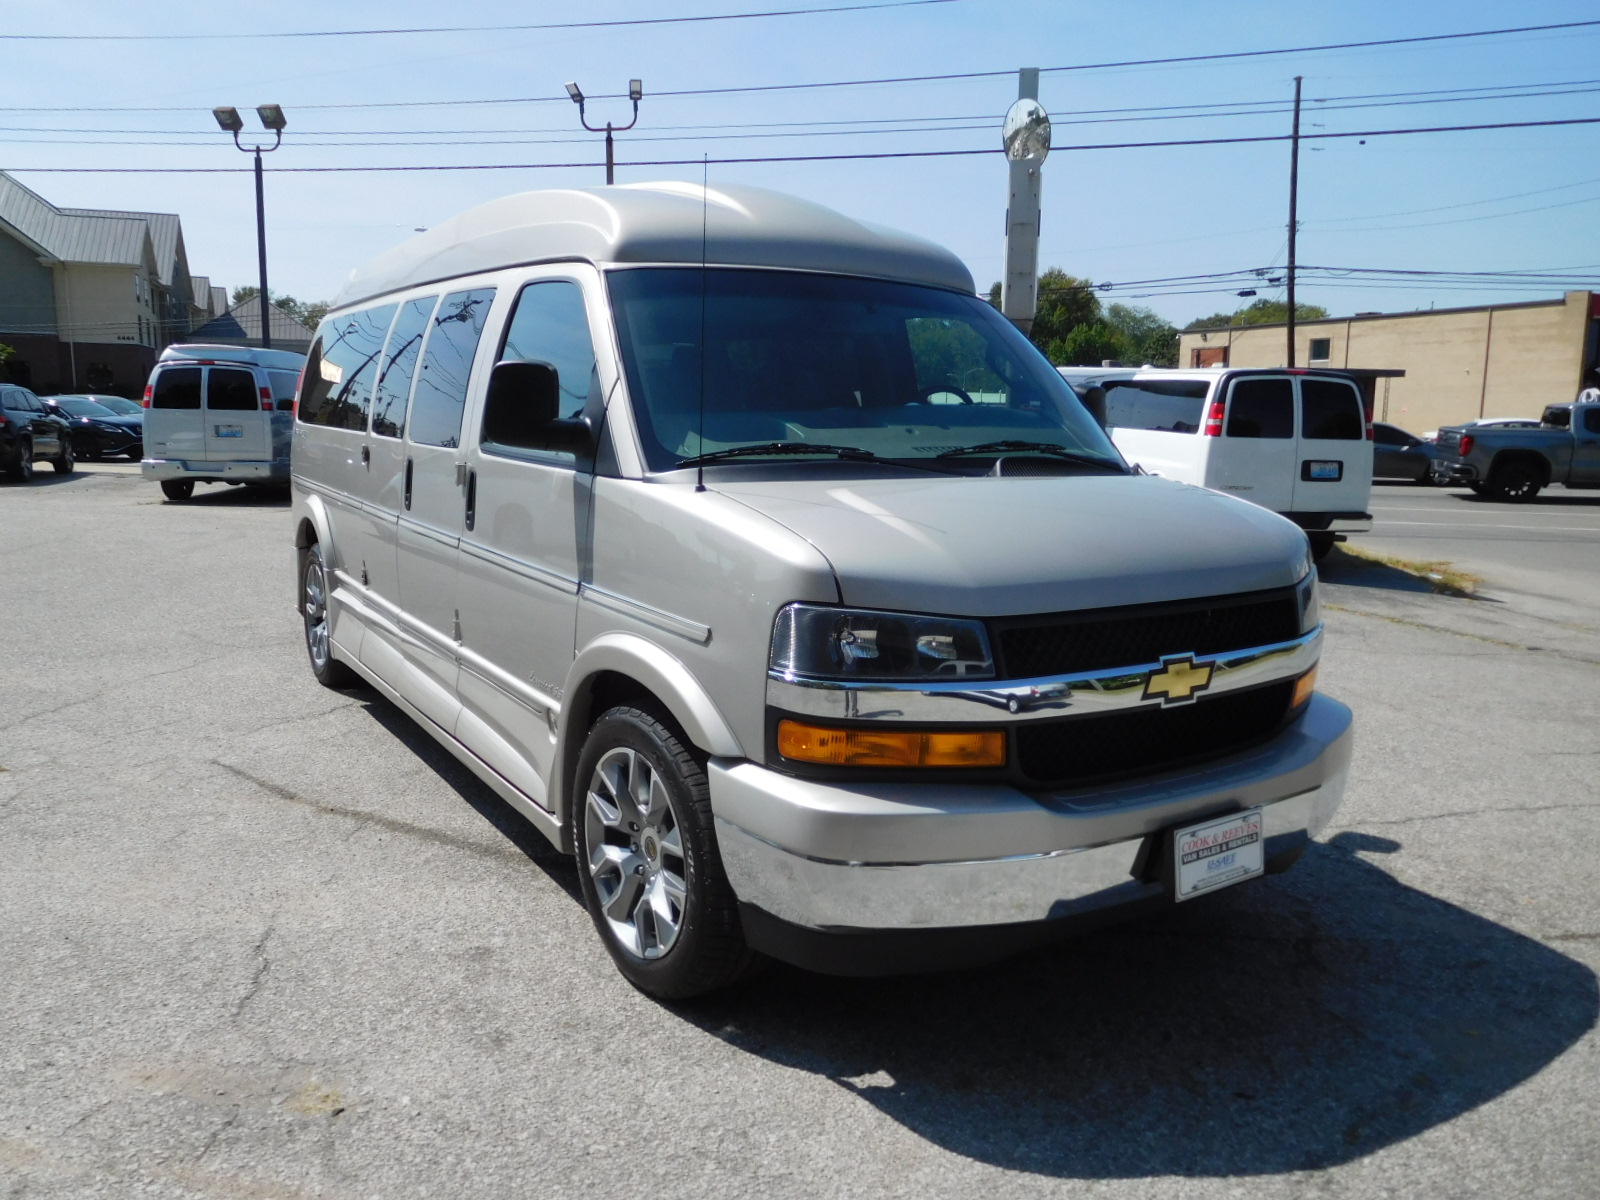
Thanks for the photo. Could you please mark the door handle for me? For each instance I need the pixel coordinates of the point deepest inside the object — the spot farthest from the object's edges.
(472, 499)
(408, 485)
(366, 456)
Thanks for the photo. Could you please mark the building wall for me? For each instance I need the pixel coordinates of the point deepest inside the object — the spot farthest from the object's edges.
(102, 304)
(27, 291)
(1534, 354)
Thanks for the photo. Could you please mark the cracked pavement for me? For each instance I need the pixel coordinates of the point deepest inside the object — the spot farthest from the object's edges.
(259, 939)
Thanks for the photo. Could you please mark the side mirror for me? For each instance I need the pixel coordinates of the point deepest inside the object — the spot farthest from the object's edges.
(522, 410)
(1094, 399)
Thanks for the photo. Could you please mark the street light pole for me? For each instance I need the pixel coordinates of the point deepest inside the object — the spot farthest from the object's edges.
(635, 93)
(1294, 215)
(272, 120)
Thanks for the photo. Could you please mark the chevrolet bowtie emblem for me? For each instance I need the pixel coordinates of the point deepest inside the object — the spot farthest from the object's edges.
(1179, 679)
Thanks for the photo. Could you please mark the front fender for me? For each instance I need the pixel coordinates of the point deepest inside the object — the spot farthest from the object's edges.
(651, 667)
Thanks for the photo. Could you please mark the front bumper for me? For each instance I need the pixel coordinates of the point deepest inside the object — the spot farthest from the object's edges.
(845, 859)
(1448, 473)
(202, 470)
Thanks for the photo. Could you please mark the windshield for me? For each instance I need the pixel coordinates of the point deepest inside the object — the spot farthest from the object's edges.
(118, 405)
(897, 371)
(83, 408)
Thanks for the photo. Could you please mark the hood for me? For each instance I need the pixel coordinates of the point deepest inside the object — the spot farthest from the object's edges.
(985, 546)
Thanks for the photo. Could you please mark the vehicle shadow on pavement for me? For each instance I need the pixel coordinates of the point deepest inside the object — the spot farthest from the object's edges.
(1287, 1025)
(236, 497)
(511, 824)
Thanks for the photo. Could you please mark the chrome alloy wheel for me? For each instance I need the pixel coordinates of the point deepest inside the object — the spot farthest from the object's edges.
(315, 608)
(635, 849)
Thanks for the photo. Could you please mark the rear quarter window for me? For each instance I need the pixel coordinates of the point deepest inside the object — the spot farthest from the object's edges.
(1169, 406)
(341, 368)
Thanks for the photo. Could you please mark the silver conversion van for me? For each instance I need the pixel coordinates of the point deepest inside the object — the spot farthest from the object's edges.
(219, 414)
(770, 572)
(1297, 441)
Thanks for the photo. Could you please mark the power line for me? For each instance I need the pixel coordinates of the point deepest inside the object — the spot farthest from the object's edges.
(900, 79)
(786, 158)
(342, 33)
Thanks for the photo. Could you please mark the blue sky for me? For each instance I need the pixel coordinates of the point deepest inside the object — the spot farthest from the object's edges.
(1503, 200)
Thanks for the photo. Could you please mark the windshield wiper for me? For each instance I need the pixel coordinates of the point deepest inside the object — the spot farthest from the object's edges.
(1049, 448)
(776, 448)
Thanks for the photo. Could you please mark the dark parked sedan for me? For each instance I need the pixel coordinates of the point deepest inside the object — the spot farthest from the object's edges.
(97, 430)
(1397, 454)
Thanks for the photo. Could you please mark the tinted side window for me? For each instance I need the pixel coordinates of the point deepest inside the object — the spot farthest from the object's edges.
(231, 389)
(1388, 435)
(399, 365)
(1591, 421)
(1171, 407)
(283, 384)
(1261, 408)
(1331, 411)
(550, 326)
(177, 387)
(441, 391)
(341, 368)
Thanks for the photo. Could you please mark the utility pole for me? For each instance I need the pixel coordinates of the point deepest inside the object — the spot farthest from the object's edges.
(1026, 138)
(1294, 200)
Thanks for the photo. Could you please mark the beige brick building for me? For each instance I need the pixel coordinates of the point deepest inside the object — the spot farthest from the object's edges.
(1500, 360)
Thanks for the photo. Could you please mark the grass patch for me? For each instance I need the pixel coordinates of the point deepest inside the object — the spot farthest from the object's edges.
(1442, 577)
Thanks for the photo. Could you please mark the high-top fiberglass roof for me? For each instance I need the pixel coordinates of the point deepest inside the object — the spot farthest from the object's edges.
(656, 223)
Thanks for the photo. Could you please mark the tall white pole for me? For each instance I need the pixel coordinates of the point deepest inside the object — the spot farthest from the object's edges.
(1019, 292)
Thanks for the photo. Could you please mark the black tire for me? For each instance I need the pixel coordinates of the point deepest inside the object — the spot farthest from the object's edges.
(330, 672)
(1321, 545)
(1516, 482)
(177, 489)
(674, 848)
(1478, 488)
(64, 461)
(20, 468)
(87, 449)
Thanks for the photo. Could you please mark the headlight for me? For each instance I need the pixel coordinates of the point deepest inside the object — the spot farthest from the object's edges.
(850, 643)
(1305, 593)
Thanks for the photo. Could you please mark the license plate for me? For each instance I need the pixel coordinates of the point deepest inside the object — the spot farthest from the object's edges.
(1329, 470)
(1217, 853)
(230, 431)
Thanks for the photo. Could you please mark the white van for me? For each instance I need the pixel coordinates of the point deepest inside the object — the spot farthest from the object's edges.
(1296, 441)
(219, 414)
(775, 576)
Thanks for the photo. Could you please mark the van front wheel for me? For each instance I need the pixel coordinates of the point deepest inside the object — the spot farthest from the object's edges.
(648, 864)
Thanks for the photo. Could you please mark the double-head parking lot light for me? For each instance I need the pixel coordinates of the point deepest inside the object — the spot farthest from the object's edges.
(635, 94)
(272, 120)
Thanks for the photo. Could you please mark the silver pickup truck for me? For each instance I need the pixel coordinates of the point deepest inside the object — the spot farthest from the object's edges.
(1515, 464)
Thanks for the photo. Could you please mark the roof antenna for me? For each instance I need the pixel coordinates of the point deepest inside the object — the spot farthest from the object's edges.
(700, 447)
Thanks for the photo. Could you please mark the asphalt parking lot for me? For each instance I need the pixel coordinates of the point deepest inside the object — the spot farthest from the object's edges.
(261, 939)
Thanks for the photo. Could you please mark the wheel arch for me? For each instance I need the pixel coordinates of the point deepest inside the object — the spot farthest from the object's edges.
(623, 668)
(1533, 458)
(311, 527)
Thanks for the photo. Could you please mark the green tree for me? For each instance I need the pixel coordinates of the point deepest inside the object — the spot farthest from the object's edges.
(1151, 338)
(1089, 345)
(1259, 312)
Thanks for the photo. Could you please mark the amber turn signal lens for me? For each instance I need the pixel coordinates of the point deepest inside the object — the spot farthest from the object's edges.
(1303, 687)
(890, 748)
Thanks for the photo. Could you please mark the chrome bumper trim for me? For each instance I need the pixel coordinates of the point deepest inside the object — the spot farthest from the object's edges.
(907, 856)
(1011, 700)
(157, 469)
